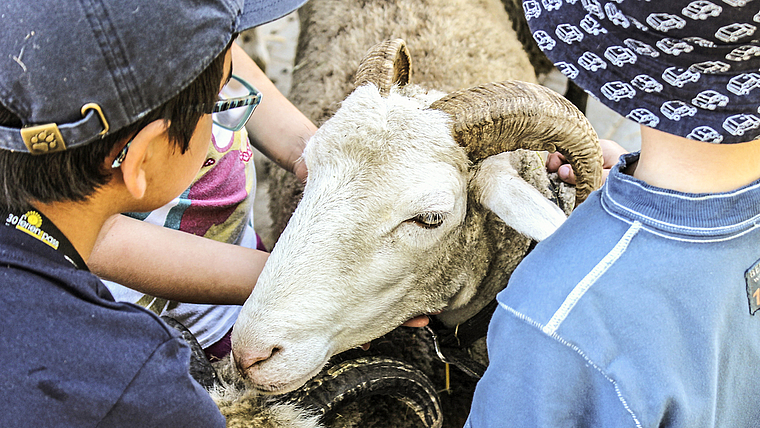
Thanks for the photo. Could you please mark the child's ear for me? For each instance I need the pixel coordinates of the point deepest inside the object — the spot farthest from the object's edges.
(140, 152)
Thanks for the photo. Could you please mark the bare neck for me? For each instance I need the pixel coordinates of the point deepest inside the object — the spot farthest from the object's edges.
(80, 222)
(675, 163)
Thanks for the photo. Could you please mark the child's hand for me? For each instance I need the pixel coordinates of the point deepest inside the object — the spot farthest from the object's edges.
(419, 321)
(611, 152)
(299, 169)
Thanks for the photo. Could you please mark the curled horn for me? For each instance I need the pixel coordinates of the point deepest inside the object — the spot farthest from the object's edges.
(359, 378)
(385, 64)
(504, 116)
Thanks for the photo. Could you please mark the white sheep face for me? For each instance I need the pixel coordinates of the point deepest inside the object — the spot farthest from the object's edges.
(387, 188)
(378, 238)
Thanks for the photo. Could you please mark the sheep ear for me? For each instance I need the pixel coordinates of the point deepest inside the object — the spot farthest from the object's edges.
(522, 207)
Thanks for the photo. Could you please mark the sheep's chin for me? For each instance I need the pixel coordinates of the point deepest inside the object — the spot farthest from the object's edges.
(274, 378)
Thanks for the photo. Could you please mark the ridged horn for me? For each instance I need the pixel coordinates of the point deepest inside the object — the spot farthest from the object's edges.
(385, 64)
(504, 116)
(359, 378)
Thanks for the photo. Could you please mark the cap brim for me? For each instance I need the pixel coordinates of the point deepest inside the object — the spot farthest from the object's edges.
(258, 12)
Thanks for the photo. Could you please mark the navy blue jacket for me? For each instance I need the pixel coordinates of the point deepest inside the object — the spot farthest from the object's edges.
(71, 356)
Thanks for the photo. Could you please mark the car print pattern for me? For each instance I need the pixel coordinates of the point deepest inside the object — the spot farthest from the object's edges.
(687, 67)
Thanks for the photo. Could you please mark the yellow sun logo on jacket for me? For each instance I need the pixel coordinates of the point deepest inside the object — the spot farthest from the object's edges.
(34, 218)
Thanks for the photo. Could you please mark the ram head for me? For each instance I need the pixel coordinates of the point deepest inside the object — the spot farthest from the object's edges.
(413, 206)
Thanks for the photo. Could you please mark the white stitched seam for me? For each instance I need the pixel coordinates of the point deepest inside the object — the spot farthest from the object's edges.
(580, 289)
(559, 339)
(675, 238)
(676, 226)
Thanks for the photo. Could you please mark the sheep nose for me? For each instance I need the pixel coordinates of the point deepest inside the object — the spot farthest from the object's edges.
(246, 359)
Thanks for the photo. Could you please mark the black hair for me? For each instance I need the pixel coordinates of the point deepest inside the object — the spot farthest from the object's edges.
(75, 174)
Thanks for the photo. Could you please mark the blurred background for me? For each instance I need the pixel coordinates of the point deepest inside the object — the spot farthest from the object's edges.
(274, 44)
(278, 41)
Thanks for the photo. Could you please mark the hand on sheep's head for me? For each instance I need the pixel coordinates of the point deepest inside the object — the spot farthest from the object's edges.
(611, 152)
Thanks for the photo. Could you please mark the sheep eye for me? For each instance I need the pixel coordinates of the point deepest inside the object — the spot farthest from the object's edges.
(428, 220)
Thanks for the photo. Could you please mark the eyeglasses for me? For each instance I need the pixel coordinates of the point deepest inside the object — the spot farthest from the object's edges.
(237, 101)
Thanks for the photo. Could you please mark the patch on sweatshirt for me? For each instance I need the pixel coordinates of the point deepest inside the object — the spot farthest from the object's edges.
(752, 277)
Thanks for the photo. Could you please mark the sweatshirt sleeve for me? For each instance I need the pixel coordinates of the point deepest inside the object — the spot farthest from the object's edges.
(163, 394)
(539, 380)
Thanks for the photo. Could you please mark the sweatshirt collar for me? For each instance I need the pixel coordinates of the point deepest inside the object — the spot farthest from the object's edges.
(698, 215)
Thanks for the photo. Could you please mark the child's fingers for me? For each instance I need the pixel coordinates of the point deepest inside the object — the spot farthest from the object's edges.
(611, 152)
(566, 173)
(554, 161)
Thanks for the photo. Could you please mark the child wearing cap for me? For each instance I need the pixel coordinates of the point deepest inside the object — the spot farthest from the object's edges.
(104, 109)
(172, 269)
(642, 309)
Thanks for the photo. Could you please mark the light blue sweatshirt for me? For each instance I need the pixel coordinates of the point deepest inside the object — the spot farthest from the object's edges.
(638, 312)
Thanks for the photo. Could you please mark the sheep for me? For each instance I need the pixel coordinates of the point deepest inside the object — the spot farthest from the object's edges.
(395, 139)
(446, 58)
(450, 53)
(389, 182)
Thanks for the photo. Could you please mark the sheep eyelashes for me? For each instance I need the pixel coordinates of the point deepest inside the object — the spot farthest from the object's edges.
(428, 220)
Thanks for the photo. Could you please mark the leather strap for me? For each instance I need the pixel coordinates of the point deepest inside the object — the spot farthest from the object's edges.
(451, 343)
(73, 134)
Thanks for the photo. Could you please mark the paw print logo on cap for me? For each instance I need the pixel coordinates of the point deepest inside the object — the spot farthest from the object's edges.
(43, 139)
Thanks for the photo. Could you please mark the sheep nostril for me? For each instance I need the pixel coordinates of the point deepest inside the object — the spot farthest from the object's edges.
(247, 359)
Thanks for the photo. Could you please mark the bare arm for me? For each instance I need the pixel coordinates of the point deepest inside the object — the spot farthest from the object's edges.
(277, 129)
(174, 265)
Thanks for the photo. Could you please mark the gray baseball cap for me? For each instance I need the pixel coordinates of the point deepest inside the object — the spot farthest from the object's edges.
(74, 71)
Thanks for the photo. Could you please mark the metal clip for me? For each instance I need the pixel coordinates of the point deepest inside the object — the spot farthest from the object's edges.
(438, 349)
(94, 106)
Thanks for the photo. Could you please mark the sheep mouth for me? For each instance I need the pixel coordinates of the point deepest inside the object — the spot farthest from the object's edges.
(282, 388)
(259, 381)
